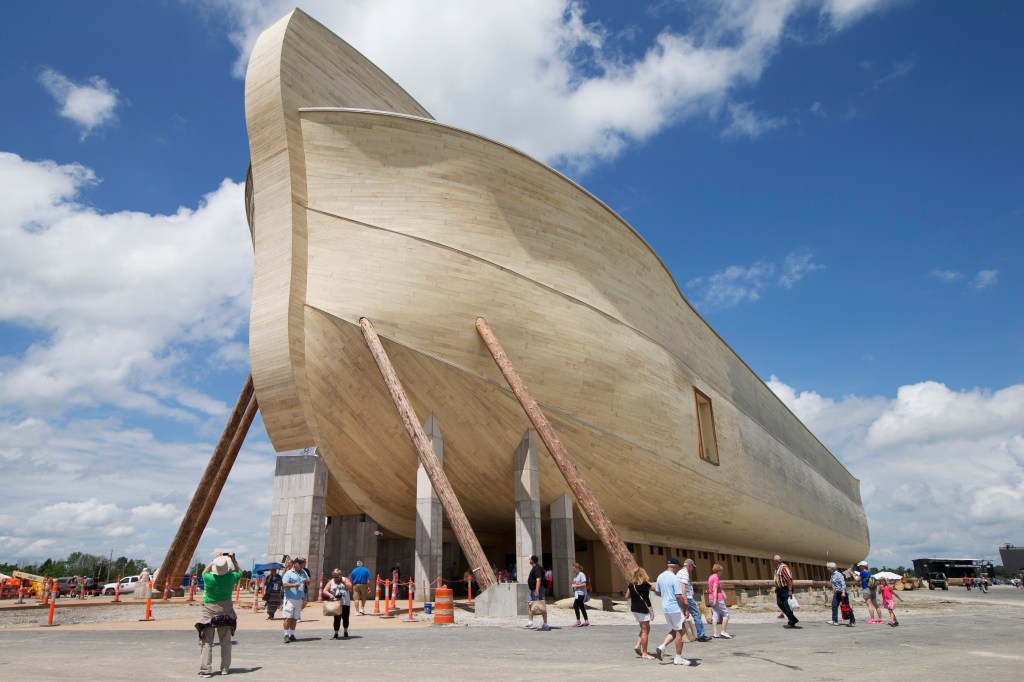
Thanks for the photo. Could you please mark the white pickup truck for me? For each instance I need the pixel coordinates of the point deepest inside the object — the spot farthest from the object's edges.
(127, 585)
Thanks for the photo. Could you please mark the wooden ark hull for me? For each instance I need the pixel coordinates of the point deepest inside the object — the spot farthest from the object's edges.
(363, 206)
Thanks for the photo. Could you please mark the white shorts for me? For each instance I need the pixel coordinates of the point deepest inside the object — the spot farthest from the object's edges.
(674, 620)
(641, 617)
(292, 609)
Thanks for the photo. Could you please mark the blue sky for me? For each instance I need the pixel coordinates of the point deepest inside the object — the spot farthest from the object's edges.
(835, 185)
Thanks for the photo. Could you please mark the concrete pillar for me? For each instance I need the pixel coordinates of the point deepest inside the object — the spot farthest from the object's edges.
(563, 546)
(298, 513)
(527, 476)
(351, 538)
(428, 518)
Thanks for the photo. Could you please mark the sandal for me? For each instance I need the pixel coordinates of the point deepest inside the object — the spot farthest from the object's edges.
(638, 651)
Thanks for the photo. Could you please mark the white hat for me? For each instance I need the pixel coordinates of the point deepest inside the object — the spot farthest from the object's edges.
(221, 565)
(863, 563)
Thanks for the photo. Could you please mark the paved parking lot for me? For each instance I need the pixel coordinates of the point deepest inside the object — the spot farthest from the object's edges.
(981, 640)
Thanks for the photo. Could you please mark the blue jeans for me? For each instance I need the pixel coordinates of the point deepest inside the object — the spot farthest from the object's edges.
(782, 601)
(698, 622)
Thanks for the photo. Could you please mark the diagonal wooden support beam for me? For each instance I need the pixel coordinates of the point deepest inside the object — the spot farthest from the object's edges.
(193, 523)
(449, 502)
(588, 501)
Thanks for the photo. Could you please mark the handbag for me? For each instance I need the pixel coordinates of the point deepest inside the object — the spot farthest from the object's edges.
(846, 611)
(689, 631)
(332, 608)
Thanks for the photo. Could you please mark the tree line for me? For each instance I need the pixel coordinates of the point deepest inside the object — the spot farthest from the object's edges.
(99, 568)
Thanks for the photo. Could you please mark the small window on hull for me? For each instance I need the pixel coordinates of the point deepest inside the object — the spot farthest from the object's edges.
(707, 441)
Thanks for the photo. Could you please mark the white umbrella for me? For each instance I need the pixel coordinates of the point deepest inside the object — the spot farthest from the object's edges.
(888, 575)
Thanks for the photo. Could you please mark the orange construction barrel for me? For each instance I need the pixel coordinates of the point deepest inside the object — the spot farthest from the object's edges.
(444, 612)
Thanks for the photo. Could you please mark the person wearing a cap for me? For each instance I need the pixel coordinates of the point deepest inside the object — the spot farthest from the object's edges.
(218, 615)
(686, 580)
(869, 591)
(783, 590)
(294, 582)
(535, 602)
(673, 606)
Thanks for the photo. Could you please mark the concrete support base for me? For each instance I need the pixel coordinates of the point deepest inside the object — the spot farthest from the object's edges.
(528, 533)
(563, 546)
(349, 539)
(299, 510)
(428, 519)
(503, 599)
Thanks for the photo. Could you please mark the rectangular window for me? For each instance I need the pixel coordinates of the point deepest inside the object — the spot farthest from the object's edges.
(707, 441)
(661, 551)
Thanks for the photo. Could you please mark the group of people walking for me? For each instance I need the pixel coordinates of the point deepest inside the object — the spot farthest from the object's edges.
(287, 592)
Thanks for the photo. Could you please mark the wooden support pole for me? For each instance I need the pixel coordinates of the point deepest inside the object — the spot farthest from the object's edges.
(452, 508)
(588, 501)
(193, 523)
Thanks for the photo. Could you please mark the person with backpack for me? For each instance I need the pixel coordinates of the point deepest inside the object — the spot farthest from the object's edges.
(869, 591)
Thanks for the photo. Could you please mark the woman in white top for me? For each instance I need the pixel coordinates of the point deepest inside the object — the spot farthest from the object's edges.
(579, 590)
(340, 589)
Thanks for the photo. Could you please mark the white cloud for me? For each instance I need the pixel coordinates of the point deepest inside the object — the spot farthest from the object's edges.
(985, 279)
(947, 275)
(89, 105)
(745, 122)
(738, 284)
(843, 13)
(121, 301)
(122, 489)
(539, 76)
(795, 266)
(928, 451)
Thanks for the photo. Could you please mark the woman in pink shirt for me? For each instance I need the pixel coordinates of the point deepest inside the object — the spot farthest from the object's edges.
(716, 596)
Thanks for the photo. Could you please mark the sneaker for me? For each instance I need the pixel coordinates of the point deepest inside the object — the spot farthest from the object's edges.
(225, 671)
(578, 624)
(528, 625)
(287, 639)
(832, 622)
(725, 635)
(791, 626)
(586, 624)
(850, 625)
(345, 636)
(658, 652)
(544, 627)
(292, 638)
(703, 638)
(683, 661)
(202, 674)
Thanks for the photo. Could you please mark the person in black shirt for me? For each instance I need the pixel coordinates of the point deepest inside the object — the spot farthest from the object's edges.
(639, 592)
(536, 603)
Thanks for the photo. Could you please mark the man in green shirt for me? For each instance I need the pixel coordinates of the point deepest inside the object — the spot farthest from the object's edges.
(218, 616)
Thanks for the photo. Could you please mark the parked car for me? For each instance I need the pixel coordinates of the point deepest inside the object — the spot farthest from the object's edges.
(127, 585)
(67, 585)
(937, 580)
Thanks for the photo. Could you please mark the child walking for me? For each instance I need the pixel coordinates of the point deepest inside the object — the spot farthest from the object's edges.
(887, 602)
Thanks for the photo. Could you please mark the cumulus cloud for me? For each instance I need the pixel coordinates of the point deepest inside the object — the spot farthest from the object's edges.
(947, 275)
(89, 105)
(122, 488)
(738, 284)
(119, 301)
(941, 470)
(542, 77)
